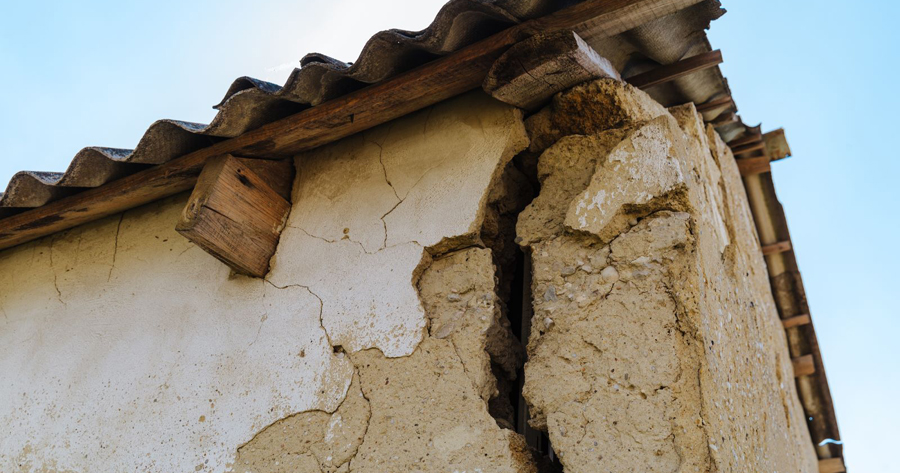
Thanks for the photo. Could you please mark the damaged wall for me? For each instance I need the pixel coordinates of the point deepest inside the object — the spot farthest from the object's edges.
(126, 348)
(655, 344)
(380, 340)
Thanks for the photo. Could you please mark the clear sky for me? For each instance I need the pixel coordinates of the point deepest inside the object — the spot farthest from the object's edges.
(97, 72)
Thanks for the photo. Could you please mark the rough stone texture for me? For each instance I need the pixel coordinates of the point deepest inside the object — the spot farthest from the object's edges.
(126, 348)
(655, 342)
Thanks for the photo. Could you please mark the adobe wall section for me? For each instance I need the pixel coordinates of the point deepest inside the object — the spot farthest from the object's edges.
(655, 344)
(123, 347)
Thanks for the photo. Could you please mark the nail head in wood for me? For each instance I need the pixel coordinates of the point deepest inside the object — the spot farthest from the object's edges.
(237, 211)
(803, 366)
(532, 71)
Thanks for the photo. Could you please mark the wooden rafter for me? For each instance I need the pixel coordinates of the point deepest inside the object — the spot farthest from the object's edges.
(675, 70)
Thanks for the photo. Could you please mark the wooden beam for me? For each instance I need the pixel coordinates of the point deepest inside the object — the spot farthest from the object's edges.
(803, 365)
(832, 465)
(796, 321)
(750, 138)
(532, 71)
(235, 215)
(715, 104)
(751, 166)
(774, 248)
(413, 90)
(675, 70)
(748, 148)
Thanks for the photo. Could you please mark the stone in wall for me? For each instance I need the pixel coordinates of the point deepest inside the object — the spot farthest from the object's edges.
(655, 345)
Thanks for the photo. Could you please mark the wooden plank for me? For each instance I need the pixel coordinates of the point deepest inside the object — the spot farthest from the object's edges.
(832, 465)
(796, 321)
(774, 248)
(413, 90)
(748, 148)
(235, 215)
(751, 166)
(711, 105)
(750, 138)
(803, 365)
(675, 70)
(532, 71)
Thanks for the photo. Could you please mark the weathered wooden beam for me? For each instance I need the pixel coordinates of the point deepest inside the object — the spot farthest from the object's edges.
(710, 105)
(751, 166)
(407, 92)
(675, 70)
(832, 465)
(748, 148)
(803, 365)
(528, 74)
(774, 248)
(796, 321)
(750, 138)
(776, 144)
(235, 215)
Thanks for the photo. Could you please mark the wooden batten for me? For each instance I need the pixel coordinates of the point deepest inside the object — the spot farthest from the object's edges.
(803, 365)
(532, 71)
(774, 248)
(832, 465)
(675, 70)
(749, 148)
(715, 104)
(796, 321)
(749, 138)
(238, 210)
(751, 166)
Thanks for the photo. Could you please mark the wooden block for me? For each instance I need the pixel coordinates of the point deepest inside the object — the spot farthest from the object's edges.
(803, 366)
(751, 166)
(779, 247)
(796, 321)
(675, 70)
(532, 71)
(832, 465)
(776, 145)
(235, 214)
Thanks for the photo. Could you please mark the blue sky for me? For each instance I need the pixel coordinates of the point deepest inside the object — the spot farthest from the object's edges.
(98, 73)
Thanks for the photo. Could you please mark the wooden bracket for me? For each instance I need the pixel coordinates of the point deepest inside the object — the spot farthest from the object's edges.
(751, 166)
(238, 210)
(532, 71)
(676, 70)
(803, 365)
(796, 321)
(832, 465)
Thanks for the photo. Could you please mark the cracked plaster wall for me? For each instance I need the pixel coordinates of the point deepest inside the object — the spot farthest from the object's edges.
(655, 343)
(126, 348)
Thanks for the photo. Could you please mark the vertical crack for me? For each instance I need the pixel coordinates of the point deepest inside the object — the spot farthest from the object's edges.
(115, 248)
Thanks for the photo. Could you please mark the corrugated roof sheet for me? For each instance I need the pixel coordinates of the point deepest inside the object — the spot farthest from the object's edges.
(250, 103)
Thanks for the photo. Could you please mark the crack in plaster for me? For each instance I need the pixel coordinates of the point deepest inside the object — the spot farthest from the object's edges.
(116, 247)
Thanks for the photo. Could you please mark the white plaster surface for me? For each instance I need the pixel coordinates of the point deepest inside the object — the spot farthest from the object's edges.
(123, 347)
